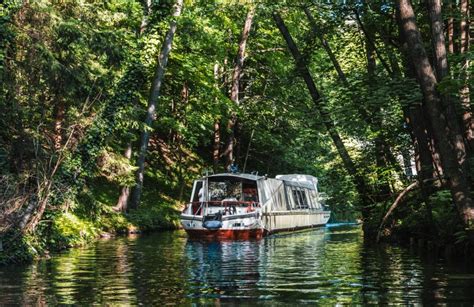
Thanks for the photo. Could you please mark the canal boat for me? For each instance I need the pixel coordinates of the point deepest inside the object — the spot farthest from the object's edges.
(243, 206)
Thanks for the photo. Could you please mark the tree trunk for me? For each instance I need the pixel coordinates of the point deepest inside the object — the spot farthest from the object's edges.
(442, 71)
(438, 41)
(154, 95)
(457, 180)
(421, 140)
(239, 59)
(382, 185)
(464, 95)
(234, 91)
(423, 158)
(450, 28)
(146, 16)
(382, 150)
(426, 154)
(327, 120)
(441, 66)
(122, 202)
(124, 191)
(371, 43)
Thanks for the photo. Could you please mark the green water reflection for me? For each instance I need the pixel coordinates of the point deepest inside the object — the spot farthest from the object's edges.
(324, 266)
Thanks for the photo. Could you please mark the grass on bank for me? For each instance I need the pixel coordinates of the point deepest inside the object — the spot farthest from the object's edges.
(88, 218)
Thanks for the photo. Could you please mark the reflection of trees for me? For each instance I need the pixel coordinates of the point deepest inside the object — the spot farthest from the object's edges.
(311, 266)
(320, 266)
(391, 275)
(160, 268)
(23, 286)
(98, 274)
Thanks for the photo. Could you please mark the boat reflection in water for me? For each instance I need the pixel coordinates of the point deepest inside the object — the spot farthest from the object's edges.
(253, 269)
(219, 268)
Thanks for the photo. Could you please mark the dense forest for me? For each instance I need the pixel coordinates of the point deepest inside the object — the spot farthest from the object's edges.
(109, 110)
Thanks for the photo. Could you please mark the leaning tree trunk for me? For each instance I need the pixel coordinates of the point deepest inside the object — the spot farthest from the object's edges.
(382, 151)
(234, 91)
(464, 94)
(363, 113)
(154, 95)
(326, 117)
(457, 180)
(383, 183)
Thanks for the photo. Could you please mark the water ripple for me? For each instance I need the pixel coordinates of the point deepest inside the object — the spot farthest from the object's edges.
(323, 266)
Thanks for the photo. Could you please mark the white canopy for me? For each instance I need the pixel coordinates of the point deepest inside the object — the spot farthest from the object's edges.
(299, 180)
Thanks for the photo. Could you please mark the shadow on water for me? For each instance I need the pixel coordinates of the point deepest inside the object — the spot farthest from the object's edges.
(325, 266)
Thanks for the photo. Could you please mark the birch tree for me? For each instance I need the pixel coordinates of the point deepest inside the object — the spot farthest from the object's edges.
(152, 101)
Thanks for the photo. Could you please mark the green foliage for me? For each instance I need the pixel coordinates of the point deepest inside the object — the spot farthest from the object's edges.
(445, 217)
(16, 248)
(158, 216)
(116, 168)
(411, 219)
(69, 230)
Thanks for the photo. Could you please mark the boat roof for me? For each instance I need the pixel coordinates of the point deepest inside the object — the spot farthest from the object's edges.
(298, 180)
(236, 175)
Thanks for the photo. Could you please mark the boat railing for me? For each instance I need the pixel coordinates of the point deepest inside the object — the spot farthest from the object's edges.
(198, 205)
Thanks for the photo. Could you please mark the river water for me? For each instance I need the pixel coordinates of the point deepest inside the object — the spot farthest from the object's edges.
(324, 266)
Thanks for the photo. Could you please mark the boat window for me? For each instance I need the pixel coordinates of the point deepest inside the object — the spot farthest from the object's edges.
(227, 189)
(314, 197)
(249, 192)
(232, 189)
(300, 198)
(198, 192)
(217, 190)
(310, 199)
(296, 199)
(279, 199)
(292, 200)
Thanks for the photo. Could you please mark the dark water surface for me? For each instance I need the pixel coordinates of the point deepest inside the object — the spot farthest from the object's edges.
(322, 266)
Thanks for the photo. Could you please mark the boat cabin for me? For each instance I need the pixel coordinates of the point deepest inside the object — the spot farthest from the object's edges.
(228, 193)
(232, 194)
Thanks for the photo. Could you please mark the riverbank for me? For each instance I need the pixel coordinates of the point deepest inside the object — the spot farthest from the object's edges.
(432, 224)
(92, 220)
(410, 225)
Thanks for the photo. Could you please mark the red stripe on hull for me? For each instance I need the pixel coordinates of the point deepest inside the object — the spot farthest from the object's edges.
(226, 234)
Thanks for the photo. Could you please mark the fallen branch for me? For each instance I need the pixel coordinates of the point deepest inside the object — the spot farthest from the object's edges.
(399, 198)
